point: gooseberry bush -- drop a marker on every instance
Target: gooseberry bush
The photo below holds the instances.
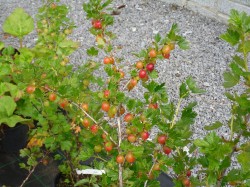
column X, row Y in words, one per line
column 75, row 115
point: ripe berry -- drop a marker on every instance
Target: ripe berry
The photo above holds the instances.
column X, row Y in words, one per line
column 104, row 136
column 162, row 139
column 52, row 97
column 130, row 158
column 167, row 55
column 97, row 24
column 120, row 159
column 167, row 150
column 186, row 182
column 106, row 93
column 157, row 167
column 94, row 128
column 153, row 106
column 166, row 49
column 108, row 146
column 86, row 122
column 144, row 135
column 128, row 117
column 108, row 60
column 188, row 173
column 142, row 74
column 152, row 53
column 105, row 106
column 150, row 67
column 64, row 103
column 121, row 110
column 30, row 89
column 139, row 65
column 85, row 107
column 131, row 138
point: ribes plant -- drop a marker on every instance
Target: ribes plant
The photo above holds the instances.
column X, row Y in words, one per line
column 218, row 151
column 75, row 115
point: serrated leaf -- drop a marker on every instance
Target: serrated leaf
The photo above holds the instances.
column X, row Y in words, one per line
column 66, row 145
column 92, row 51
column 154, row 74
column 13, row 120
column 238, row 60
column 244, row 160
column 1, row 45
column 81, row 182
column 19, row 23
column 184, row 92
column 201, row 143
column 231, row 37
column 157, row 38
column 230, row 79
column 215, row 125
column 229, row 96
column 159, row 87
column 193, row 87
column 183, row 44
column 7, row 106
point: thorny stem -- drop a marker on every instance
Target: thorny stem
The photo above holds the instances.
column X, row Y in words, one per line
column 150, row 171
column 94, row 121
column 231, row 127
column 90, row 117
column 32, row 171
column 119, row 144
column 21, row 42
column 176, row 113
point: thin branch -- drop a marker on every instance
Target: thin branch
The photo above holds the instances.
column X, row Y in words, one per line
column 150, row 171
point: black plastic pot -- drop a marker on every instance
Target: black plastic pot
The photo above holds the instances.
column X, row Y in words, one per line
column 14, row 139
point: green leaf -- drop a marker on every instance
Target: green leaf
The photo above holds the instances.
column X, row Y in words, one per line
column 193, row 87
column 66, row 145
column 238, row 60
column 154, row 74
column 201, row 143
column 1, row 45
column 231, row 37
column 215, row 125
column 19, row 23
column 183, row 44
column 26, row 56
column 184, row 92
column 157, row 38
column 13, row 120
column 244, row 160
column 81, row 182
column 230, row 79
column 7, row 106
column 92, row 51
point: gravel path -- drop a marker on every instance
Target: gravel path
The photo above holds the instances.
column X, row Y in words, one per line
column 135, row 27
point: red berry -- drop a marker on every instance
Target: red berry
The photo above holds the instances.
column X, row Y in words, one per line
column 97, row 24
column 108, row 146
column 166, row 49
column 167, row 150
column 85, row 107
column 52, row 97
column 30, row 89
column 131, row 138
column 86, row 122
column 64, row 103
column 150, row 67
column 166, row 55
column 153, row 106
column 130, row 158
column 105, row 106
column 142, row 73
column 152, row 53
column 162, row 139
column 144, row 135
column 120, row 159
column 128, row 117
column 188, row 173
column 94, row 128
column 106, row 93
column 186, row 182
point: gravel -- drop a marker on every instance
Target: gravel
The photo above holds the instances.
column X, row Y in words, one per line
column 135, row 27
